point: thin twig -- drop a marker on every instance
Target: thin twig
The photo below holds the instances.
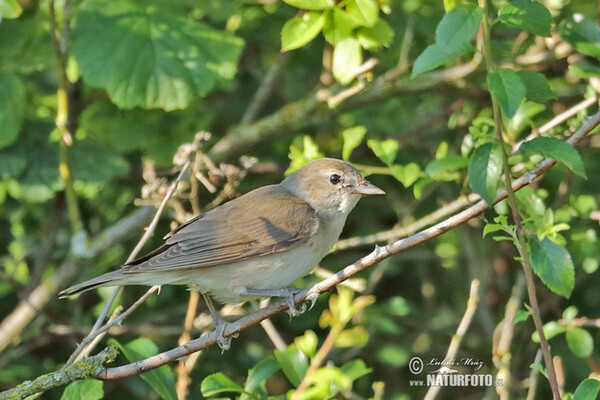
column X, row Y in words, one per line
column 149, row 232
column 460, row 332
column 379, row 254
column 503, row 338
column 185, row 367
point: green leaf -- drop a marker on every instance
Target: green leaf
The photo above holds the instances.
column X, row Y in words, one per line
column 582, row 33
column 160, row 379
column 337, row 27
column 553, row 264
column 555, row 149
column 12, row 162
column 93, row 163
column 385, row 150
column 310, row 151
column 258, row 375
column 529, row 15
column 219, row 383
column 293, row 362
column 587, row 390
column 354, row 337
column 88, row 389
column 580, row 342
column 485, row 169
column 520, row 316
column 393, row 355
column 491, row 228
column 355, row 369
column 507, row 88
column 307, row 343
column 380, row 35
column 458, row 26
column 353, row 137
column 311, row 4
column 539, row 367
column 444, row 168
column 363, row 12
column 536, row 86
column 12, row 106
column 298, row 31
column 151, row 57
column 435, row 55
column 551, row 329
column 10, row 9
column 406, row 174
column 347, row 57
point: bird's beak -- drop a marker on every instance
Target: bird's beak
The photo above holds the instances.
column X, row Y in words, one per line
column 365, row 187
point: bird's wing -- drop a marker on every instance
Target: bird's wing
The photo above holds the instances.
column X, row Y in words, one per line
column 276, row 221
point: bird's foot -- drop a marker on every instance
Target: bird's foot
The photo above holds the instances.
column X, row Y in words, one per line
column 287, row 294
column 220, row 325
column 313, row 299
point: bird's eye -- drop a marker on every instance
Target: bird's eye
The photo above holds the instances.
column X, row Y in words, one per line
column 335, row 179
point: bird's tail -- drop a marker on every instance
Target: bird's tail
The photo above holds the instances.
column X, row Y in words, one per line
column 109, row 279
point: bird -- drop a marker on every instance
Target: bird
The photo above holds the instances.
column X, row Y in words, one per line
column 255, row 245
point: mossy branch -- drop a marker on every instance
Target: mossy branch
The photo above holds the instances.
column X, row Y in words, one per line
column 87, row 368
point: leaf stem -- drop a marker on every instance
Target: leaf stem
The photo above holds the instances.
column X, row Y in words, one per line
column 510, row 194
column 62, row 117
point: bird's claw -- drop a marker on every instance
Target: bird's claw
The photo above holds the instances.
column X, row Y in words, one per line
column 223, row 342
column 289, row 301
column 313, row 299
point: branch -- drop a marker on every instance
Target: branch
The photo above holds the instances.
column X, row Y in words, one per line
column 379, row 254
column 84, row 369
column 13, row 324
column 460, row 332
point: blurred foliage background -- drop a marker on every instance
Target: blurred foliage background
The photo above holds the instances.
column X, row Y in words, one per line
column 98, row 97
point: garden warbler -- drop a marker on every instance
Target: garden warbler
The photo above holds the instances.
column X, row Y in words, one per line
column 255, row 245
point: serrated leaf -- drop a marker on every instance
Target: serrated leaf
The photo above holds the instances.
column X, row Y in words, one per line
column 380, row 35
column 10, row 9
column 553, row 264
column 160, row 379
column 337, row 26
column 582, row 33
column 347, row 57
column 88, row 389
column 539, row 367
column 385, row 150
column 435, row 55
column 311, row 4
column 491, row 228
column 219, row 383
column 580, row 342
column 507, row 88
column 298, row 31
column 12, row 107
column 485, row 169
column 587, row 390
column 555, row 149
column 536, row 86
column 151, row 57
column 363, row 12
column 293, row 362
column 353, row 137
column 458, row 26
column 406, row 174
column 529, row 15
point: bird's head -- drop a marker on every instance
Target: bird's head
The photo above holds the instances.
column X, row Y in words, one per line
column 329, row 185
